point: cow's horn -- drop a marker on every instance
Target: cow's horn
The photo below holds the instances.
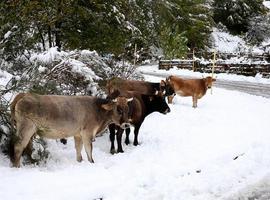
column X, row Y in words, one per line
column 129, row 99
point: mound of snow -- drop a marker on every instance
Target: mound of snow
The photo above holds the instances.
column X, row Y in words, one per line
column 227, row 43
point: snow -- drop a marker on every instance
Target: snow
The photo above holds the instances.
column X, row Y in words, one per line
column 7, row 34
column 81, row 68
column 48, row 56
column 267, row 4
column 5, row 77
column 227, row 43
column 184, row 72
column 219, row 150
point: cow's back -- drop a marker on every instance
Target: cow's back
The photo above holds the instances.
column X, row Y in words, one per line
column 54, row 115
column 141, row 87
column 188, row 87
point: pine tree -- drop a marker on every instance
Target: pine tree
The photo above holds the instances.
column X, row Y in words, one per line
column 189, row 21
column 235, row 15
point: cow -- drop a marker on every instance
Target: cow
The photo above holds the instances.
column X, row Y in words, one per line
column 59, row 116
column 190, row 87
column 142, row 87
column 141, row 106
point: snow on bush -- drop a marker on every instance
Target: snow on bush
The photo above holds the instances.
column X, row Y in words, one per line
column 52, row 72
column 226, row 43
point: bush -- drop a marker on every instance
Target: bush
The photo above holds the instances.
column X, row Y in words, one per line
column 52, row 72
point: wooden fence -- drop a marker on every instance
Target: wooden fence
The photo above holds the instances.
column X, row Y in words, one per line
column 241, row 64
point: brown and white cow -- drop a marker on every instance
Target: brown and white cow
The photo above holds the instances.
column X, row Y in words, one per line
column 196, row 88
column 55, row 116
column 142, row 87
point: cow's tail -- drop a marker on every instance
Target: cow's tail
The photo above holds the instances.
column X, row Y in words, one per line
column 13, row 124
column 12, row 108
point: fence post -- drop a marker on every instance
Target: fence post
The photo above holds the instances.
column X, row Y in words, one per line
column 213, row 68
column 193, row 63
column 135, row 54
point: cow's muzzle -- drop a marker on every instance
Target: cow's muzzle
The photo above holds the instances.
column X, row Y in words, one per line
column 167, row 111
column 125, row 125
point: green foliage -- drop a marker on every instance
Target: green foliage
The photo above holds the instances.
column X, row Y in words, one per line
column 173, row 43
column 189, row 21
column 106, row 26
column 235, row 15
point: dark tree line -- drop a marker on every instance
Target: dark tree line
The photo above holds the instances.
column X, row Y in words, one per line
column 114, row 26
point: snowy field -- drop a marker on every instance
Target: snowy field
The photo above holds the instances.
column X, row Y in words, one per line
column 220, row 150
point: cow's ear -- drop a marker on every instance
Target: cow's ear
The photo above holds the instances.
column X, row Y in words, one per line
column 214, row 79
column 163, row 83
column 114, row 94
column 107, row 106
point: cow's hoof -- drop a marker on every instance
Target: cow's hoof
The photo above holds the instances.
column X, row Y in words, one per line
column 79, row 159
column 120, row 151
column 135, row 143
column 112, row 151
column 127, row 142
column 63, row 141
column 16, row 165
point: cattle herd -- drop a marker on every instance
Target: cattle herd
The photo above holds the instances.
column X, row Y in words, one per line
column 128, row 102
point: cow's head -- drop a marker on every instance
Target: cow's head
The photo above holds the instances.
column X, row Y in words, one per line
column 165, row 88
column 155, row 103
column 209, row 81
column 119, row 108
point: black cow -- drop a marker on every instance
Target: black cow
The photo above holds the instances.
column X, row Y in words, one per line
column 141, row 106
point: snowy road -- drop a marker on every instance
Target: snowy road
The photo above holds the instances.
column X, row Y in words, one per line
column 241, row 86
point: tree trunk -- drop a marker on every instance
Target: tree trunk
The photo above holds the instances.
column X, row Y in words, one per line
column 50, row 36
column 42, row 38
column 58, row 25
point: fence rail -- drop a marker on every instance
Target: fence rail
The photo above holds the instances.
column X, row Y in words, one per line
column 241, row 64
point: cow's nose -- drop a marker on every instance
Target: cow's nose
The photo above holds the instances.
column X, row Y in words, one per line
column 167, row 110
column 125, row 125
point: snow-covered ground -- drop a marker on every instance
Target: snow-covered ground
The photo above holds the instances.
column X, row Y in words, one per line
column 218, row 151
column 184, row 72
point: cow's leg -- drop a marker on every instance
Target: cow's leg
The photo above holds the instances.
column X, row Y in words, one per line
column 112, row 137
column 25, row 130
column 127, row 136
column 194, row 100
column 78, row 147
column 87, row 143
column 170, row 99
column 119, row 140
column 136, row 132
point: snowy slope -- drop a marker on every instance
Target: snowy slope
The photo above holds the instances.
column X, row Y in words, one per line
column 186, row 154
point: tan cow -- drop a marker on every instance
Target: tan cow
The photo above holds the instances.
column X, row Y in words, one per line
column 190, row 87
column 55, row 116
